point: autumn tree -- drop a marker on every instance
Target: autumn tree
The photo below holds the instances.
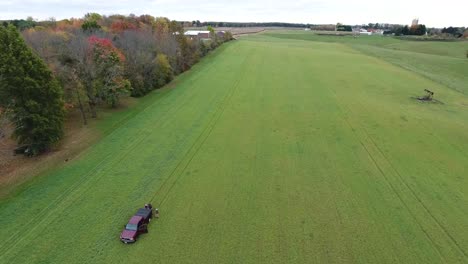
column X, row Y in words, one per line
column 80, row 62
column 162, row 25
column 143, row 68
column 211, row 30
column 162, row 71
column 188, row 52
column 122, row 25
column 109, row 84
column 417, row 30
column 51, row 46
column 29, row 89
column 146, row 19
column 228, row 36
column 167, row 43
column 139, row 48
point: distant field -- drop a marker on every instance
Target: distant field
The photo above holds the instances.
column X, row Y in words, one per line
column 271, row 150
column 443, row 62
column 241, row 31
column 456, row 49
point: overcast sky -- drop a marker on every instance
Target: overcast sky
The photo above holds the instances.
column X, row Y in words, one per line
column 432, row 13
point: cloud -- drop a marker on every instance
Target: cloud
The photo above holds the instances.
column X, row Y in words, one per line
column 432, row 13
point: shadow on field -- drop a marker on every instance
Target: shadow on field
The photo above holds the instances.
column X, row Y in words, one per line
column 432, row 101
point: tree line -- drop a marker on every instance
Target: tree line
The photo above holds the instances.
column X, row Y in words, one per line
column 341, row 27
column 414, row 30
column 52, row 67
column 197, row 23
column 397, row 29
column 457, row 32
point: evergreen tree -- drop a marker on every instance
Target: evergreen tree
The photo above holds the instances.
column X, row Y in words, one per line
column 32, row 93
column 405, row 30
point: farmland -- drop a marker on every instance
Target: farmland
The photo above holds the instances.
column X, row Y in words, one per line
column 443, row 62
column 276, row 148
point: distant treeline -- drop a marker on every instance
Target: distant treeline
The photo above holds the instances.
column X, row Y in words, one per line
column 415, row 30
column 419, row 30
column 455, row 31
column 20, row 24
column 197, row 23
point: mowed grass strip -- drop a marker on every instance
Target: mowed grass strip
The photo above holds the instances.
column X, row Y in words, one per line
column 269, row 151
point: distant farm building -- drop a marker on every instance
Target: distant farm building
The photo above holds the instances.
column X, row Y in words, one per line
column 375, row 31
column 369, row 31
column 200, row 34
column 221, row 34
column 365, row 32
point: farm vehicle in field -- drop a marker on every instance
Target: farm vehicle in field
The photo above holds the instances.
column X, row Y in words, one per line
column 428, row 97
column 138, row 224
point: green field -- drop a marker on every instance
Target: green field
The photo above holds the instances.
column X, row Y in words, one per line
column 274, row 149
column 439, row 61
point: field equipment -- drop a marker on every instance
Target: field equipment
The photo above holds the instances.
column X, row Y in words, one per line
column 428, row 97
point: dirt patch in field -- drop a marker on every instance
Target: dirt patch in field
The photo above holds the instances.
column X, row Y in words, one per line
column 16, row 169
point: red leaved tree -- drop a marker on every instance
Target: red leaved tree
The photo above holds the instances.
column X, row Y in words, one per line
column 109, row 83
column 122, row 25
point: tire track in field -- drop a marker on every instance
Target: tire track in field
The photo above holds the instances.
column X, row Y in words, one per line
column 417, row 197
column 201, row 138
column 413, row 192
column 396, row 192
column 448, row 143
column 385, row 177
column 65, row 196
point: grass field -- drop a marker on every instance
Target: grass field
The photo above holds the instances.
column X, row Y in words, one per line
column 271, row 150
column 443, row 62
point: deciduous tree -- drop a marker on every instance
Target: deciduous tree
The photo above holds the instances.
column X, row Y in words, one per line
column 162, row 70
column 110, row 83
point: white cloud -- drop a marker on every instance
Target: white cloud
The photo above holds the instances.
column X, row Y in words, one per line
column 432, row 13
